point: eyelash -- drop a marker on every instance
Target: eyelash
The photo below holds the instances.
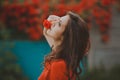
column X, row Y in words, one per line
column 59, row 24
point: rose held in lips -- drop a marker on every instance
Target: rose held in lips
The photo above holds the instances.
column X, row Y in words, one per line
column 47, row 24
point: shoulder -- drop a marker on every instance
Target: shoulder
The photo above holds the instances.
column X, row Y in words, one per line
column 58, row 70
column 58, row 64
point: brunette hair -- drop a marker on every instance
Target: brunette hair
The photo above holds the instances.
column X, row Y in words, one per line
column 74, row 45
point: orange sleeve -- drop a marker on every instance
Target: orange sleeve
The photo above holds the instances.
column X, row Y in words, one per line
column 45, row 72
column 43, row 75
column 58, row 71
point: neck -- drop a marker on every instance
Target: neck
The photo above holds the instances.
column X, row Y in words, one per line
column 56, row 43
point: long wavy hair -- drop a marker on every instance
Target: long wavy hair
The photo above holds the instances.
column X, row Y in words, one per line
column 74, row 45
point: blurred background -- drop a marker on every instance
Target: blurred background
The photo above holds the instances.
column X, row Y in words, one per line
column 23, row 46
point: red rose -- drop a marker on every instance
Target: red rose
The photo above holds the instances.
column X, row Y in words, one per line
column 47, row 24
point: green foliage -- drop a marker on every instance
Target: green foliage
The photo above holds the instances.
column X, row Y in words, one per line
column 4, row 33
column 103, row 74
column 9, row 68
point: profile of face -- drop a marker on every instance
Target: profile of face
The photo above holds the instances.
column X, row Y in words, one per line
column 58, row 26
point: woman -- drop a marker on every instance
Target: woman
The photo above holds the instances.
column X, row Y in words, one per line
column 68, row 38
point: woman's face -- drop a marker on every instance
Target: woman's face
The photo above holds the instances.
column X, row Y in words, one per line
column 58, row 26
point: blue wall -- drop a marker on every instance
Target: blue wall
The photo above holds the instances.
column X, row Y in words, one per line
column 31, row 55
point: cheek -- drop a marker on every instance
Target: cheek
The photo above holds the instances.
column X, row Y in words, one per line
column 57, row 33
column 53, row 33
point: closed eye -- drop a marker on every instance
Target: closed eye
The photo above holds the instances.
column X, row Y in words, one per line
column 60, row 23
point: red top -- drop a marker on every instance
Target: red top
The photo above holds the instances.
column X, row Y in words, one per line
column 55, row 71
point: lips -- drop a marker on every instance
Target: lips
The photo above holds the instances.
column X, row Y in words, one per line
column 47, row 24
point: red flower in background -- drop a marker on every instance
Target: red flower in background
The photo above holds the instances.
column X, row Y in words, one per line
column 45, row 7
column 35, row 36
column 30, row 30
column 36, row 1
column 33, row 11
column 21, row 27
column 90, row 4
column 106, row 2
column 47, row 24
column 61, row 9
column 34, row 33
column 23, row 20
column 33, row 14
